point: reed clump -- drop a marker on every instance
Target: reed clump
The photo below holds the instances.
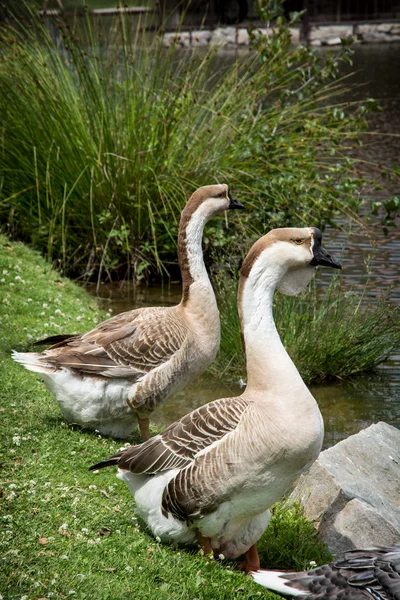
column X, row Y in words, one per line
column 105, row 133
column 330, row 333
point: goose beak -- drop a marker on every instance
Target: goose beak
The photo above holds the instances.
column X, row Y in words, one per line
column 320, row 256
column 323, row 258
column 234, row 203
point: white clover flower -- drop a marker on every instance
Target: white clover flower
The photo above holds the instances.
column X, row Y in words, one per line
column 45, row 305
column 3, row 280
column 5, row 272
column 12, row 486
column 64, row 557
column 29, row 300
column 11, row 496
column 12, row 284
column 11, row 451
column 79, row 318
column 128, row 568
column 18, row 278
column 312, row 564
column 16, row 440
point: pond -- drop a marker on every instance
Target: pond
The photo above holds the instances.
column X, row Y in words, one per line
column 347, row 406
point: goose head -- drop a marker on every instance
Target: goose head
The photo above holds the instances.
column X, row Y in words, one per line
column 207, row 201
column 286, row 259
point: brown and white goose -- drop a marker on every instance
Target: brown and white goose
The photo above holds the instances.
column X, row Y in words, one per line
column 213, row 475
column 372, row 574
column 132, row 362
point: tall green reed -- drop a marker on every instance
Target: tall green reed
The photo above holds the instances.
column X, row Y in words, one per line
column 106, row 133
column 330, row 333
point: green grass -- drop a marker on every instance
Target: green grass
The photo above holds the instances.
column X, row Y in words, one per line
column 105, row 135
column 330, row 334
column 68, row 533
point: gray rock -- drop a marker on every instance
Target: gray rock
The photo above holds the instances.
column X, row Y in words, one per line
column 243, row 38
column 352, row 491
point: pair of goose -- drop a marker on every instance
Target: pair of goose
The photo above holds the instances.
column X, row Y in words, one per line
column 212, row 476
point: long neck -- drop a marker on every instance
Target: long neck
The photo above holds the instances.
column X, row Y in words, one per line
column 269, row 367
column 190, row 254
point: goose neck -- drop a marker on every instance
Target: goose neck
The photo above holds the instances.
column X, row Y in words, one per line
column 190, row 254
column 269, row 367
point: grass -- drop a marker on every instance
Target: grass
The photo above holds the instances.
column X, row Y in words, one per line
column 68, row 533
column 105, row 134
column 329, row 335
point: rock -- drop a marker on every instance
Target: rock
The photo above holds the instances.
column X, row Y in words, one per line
column 352, row 491
column 326, row 32
column 224, row 35
column 201, row 38
column 295, row 35
column 243, row 38
column 336, row 41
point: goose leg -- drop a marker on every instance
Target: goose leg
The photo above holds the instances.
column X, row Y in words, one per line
column 144, row 426
column 204, row 543
column 251, row 561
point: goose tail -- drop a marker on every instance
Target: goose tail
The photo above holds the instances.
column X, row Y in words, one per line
column 277, row 581
column 33, row 361
column 113, row 461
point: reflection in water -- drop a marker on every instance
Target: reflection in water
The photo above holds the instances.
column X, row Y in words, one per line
column 349, row 406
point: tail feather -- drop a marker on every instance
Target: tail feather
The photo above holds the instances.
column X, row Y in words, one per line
column 113, row 461
column 55, row 341
column 277, row 582
column 33, row 361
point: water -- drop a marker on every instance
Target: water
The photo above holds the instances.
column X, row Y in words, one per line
column 347, row 406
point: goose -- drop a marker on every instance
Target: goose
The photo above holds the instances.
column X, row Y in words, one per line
column 373, row 573
column 131, row 363
column 212, row 476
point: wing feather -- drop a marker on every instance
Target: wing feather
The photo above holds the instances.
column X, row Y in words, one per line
column 178, row 446
column 128, row 345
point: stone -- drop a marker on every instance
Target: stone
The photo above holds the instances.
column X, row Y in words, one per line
column 295, row 35
column 201, row 38
column 326, row 32
column 352, row 491
column 224, row 35
column 333, row 41
column 384, row 27
column 243, row 38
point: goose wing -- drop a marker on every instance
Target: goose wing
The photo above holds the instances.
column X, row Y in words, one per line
column 128, row 345
column 179, row 445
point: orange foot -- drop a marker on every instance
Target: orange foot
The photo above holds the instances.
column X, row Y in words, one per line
column 251, row 561
column 204, row 543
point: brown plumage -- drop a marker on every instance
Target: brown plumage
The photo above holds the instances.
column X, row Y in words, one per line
column 132, row 362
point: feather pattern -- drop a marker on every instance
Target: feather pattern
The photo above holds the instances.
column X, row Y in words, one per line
column 373, row 573
column 179, row 445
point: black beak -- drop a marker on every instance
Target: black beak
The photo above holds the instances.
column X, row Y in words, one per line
column 233, row 203
column 320, row 256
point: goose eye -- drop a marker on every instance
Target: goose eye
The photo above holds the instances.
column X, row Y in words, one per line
column 298, row 241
